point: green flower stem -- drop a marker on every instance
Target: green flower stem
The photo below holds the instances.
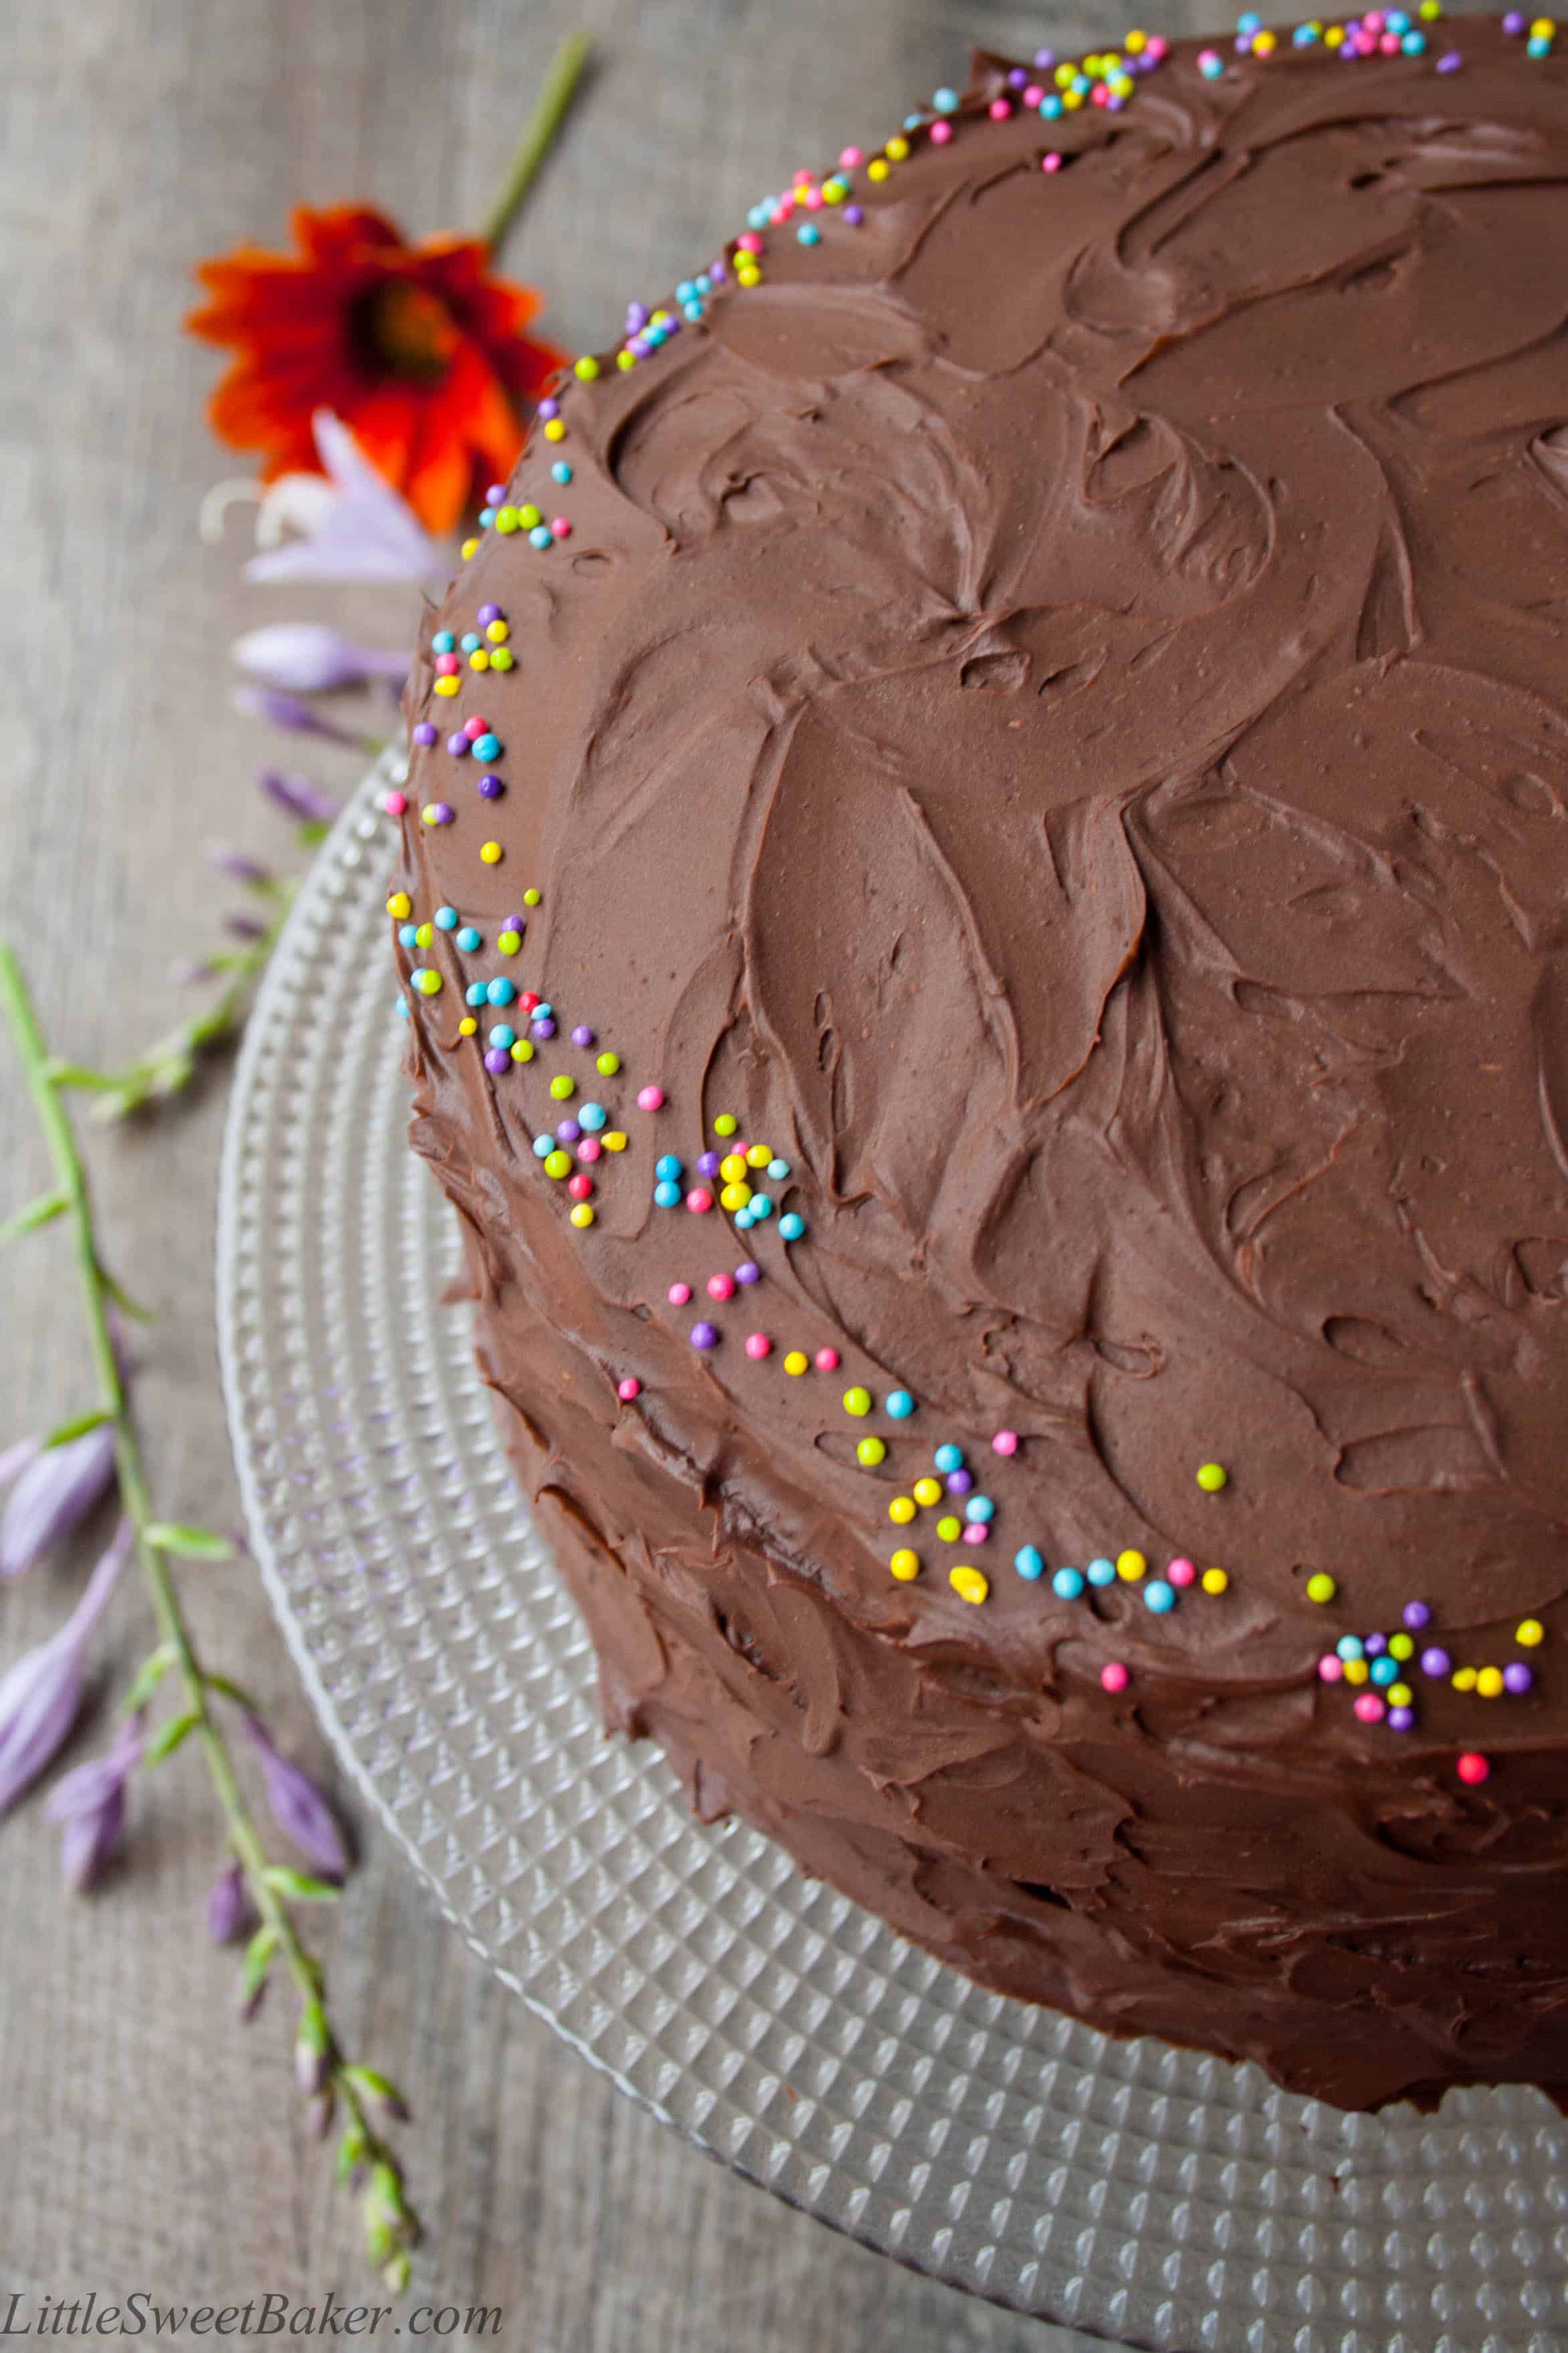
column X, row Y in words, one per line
column 566, row 70
column 244, row 1839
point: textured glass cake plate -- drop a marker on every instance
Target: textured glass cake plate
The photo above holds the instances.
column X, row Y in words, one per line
column 1140, row 2194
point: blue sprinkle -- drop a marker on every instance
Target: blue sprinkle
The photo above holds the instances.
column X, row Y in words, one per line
column 487, row 516
column 703, row 283
column 979, row 1507
column 899, row 1404
column 1101, row 1571
column 666, row 1194
column 470, row 641
column 694, row 312
column 501, row 1036
column 778, row 1170
column 469, row 939
column 592, row 1116
column 543, row 1145
column 1250, row 23
column 946, row 102
column 685, row 290
column 403, row 1006
column 742, row 1221
column 759, row 1209
column 487, row 747
column 1159, row 1597
column 560, row 471
column 541, row 536
column 1413, row 44
column 808, row 234
column 668, row 1167
column 948, row 1458
column 1538, row 46
column 443, row 642
column 501, row 991
column 1210, row 66
column 409, row 935
column 1385, row 1671
column 1030, row 1563
column 758, row 215
column 544, row 1013
column 1050, row 106
column 476, row 993
column 791, row 1227
column 1068, row 1584
column 445, row 919
column 1351, row 1646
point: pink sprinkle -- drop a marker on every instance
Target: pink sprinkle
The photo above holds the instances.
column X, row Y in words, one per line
column 749, row 241
column 812, row 200
column 395, row 803
column 447, row 665
column 474, row 728
column 1034, row 94
column 1115, row 1677
column 1098, row 94
column 999, row 109
column 1052, row 163
column 650, row 1099
column 828, row 1360
column 1155, row 46
column 560, row 528
column 802, row 178
column 976, row 1531
column 849, row 157
column 1372, row 20
column 721, row 1286
column 680, row 1294
column 1472, row 1768
column 1005, row 1442
column 1389, row 44
column 698, row 1201
column 759, row 1345
column 940, row 132
column 1370, row 1708
column 1330, row 1669
column 589, row 1149
column 627, row 1389
column 1180, row 1572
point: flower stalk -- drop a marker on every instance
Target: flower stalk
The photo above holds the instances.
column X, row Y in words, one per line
column 566, row 70
column 390, row 2226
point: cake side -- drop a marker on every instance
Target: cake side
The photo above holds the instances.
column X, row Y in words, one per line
column 1046, row 716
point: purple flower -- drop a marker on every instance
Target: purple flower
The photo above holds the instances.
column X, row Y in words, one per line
column 239, row 866
column 276, row 709
column 298, row 1807
column 54, row 1494
column 90, row 1801
column 228, row 1905
column 297, row 797
column 245, row 927
column 40, row 1696
column 355, row 525
column 307, row 657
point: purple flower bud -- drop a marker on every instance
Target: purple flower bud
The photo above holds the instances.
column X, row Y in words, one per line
column 40, row 1696
column 185, row 971
column 298, row 1809
column 297, row 797
column 244, row 928
column 276, row 709
column 228, row 1905
column 54, row 1494
column 311, row 2068
column 249, row 2003
column 238, row 865
column 319, row 2115
column 90, row 1801
column 307, row 657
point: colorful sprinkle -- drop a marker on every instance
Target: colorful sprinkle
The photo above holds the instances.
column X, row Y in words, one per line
column 1472, row 1768
column 968, row 1582
column 1211, row 1477
column 1320, row 1588
column 905, row 1564
column 858, row 1401
column 1113, row 1676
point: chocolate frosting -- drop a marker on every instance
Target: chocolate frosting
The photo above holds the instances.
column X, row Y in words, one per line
column 1053, row 712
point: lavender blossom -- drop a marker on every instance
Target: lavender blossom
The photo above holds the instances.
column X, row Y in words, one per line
column 275, row 709
column 307, row 657
column 298, row 1809
column 245, row 927
column 239, row 866
column 41, row 1694
column 355, row 525
column 297, row 797
column 228, row 1905
column 90, row 1801
column 55, row 1492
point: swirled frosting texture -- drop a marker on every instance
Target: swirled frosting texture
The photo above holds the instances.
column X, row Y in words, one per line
column 1054, row 711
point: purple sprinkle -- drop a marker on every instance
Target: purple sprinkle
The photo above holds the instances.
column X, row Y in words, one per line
column 582, row 1035
column 1375, row 1645
column 749, row 1271
column 708, row 1164
column 487, row 614
column 567, row 1131
column 717, row 269
column 1017, row 77
column 959, row 1483
column 545, row 1029
column 853, row 214
column 512, row 924
column 1416, row 1614
column 1436, row 1662
column 424, row 732
column 498, row 1059
column 1517, row 1677
column 494, row 497
column 549, row 409
column 1450, row 61
column 490, row 788
column 1115, row 102
column 440, row 812
column 458, row 745
column 1043, row 58
column 636, row 316
column 1401, row 1719
column 703, row 1335
column 640, row 346
column 1513, row 22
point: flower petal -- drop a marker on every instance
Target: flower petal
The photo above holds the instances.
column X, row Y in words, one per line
column 53, row 1495
column 308, row 658
column 298, row 1809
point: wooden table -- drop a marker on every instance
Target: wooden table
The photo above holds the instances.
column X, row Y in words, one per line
column 147, row 2140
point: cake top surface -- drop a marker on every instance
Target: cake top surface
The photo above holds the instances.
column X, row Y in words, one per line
column 1034, row 693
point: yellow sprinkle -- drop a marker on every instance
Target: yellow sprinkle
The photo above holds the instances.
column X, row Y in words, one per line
column 902, row 1507
column 501, row 659
column 878, row 168
column 1399, row 1694
column 478, row 658
column 522, row 1051
column 726, row 1123
column 1334, row 36
column 583, row 1214
column 1063, row 75
column 1134, row 43
column 968, row 1582
column 563, row 1086
column 1211, row 1477
column 1529, row 1631
column 1489, row 1683
column 795, row 1363
column 759, row 1156
column 896, row 149
column 733, row 1169
column 858, row 1401
column 1215, row 1580
column 508, row 943
column 905, row 1564
column 626, row 362
column 734, row 1197
column 586, row 368
column 1400, row 1646
column 499, row 632
column 447, row 685
column 1544, row 29
column 1356, row 1670
column 469, row 547
column 558, row 1164
column 531, row 898
column 928, row 1491
column 949, row 1529
column 1263, row 45
column 1071, row 100
column 871, row 1452
column 613, row 1140
column 1130, row 1566
column 490, row 852
column 428, row 984
column 530, row 518
column 467, row 1027
column 607, row 1064
column 555, row 430
column 424, row 935
column 429, row 814
column 399, row 905
column 1320, row 1588
column 833, row 192
column 1464, row 1679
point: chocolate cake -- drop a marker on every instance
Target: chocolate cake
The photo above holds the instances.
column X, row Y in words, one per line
column 985, row 925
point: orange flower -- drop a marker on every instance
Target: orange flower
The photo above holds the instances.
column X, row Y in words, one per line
column 416, row 347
